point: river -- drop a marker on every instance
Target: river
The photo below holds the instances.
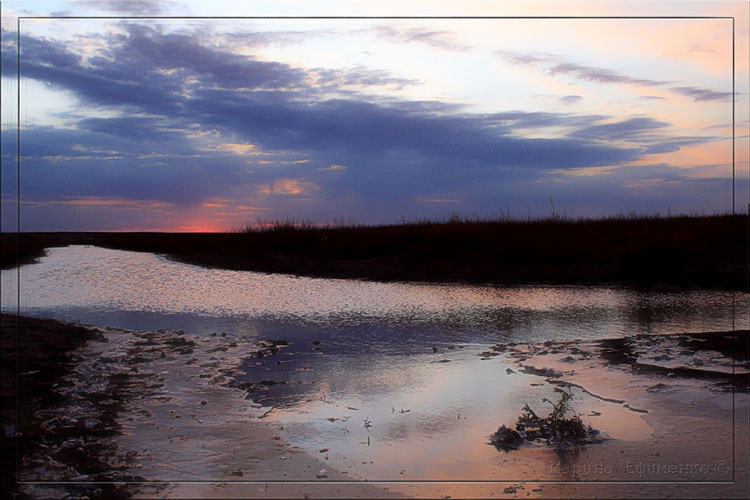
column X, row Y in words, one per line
column 382, row 376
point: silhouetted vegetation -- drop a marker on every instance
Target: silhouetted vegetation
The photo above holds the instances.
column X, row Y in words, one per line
column 562, row 428
column 20, row 250
column 684, row 251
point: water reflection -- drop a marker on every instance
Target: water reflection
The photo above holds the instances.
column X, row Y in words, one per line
column 403, row 356
column 130, row 289
column 428, row 419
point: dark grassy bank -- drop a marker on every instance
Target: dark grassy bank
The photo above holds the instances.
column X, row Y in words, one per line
column 19, row 249
column 705, row 251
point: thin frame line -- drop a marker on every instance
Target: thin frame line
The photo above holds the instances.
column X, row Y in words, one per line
column 384, row 481
column 18, row 249
column 734, row 293
column 18, row 222
column 379, row 17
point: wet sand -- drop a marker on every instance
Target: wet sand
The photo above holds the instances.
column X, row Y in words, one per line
column 154, row 414
column 36, row 358
column 160, row 414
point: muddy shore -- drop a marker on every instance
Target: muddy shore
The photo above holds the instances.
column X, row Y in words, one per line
column 159, row 414
column 37, row 356
column 151, row 414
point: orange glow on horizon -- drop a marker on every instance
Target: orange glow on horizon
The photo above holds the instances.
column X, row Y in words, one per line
column 199, row 228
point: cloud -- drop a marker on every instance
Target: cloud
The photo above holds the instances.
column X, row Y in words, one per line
column 139, row 128
column 149, row 49
column 238, row 149
column 630, row 129
column 437, row 200
column 359, row 127
column 601, row 75
column 605, row 75
column 541, row 119
column 698, row 94
column 640, row 131
column 288, row 186
column 179, row 118
column 560, row 66
column 649, row 187
column 133, row 7
column 571, row 99
column 98, row 201
column 652, row 182
column 359, row 76
column 523, row 58
column 434, row 38
column 264, row 38
column 147, row 68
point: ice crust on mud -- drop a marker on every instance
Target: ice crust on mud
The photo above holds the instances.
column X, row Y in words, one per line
column 131, row 396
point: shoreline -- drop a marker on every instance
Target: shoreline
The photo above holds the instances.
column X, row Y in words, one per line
column 162, row 405
column 706, row 252
column 155, row 408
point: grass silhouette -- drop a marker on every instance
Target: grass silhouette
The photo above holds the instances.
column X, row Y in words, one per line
column 653, row 250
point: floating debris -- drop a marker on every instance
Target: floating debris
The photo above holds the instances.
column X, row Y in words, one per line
column 557, row 429
column 637, row 410
column 506, row 439
column 544, row 372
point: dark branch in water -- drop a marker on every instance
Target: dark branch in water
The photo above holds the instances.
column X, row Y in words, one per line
column 557, row 429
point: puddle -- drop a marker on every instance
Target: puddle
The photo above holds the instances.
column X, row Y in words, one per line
column 422, row 419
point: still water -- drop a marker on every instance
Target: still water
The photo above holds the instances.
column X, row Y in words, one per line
column 141, row 290
column 382, row 375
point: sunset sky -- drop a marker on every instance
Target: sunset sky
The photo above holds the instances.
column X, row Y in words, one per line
column 210, row 124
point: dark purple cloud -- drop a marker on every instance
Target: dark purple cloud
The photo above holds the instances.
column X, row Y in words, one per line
column 267, row 103
column 640, row 131
column 132, row 7
column 571, row 99
column 519, row 58
column 606, row 75
column 359, row 75
column 698, row 94
column 629, row 129
column 435, row 38
column 601, row 75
